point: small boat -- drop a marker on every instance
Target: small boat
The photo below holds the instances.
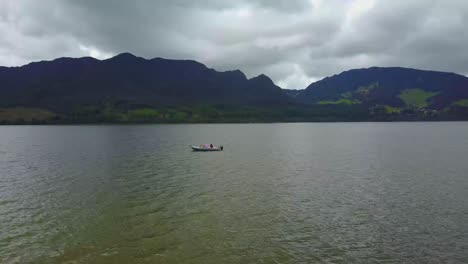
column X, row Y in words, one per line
column 206, row 148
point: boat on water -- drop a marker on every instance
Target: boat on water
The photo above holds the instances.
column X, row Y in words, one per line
column 206, row 147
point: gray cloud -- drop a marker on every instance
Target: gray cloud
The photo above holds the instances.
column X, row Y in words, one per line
column 293, row 41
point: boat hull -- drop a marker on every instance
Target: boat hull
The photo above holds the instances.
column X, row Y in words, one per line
column 196, row 148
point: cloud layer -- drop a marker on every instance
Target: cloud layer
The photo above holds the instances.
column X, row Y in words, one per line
column 293, row 41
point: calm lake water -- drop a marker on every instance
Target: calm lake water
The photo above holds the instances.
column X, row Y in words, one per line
column 279, row 193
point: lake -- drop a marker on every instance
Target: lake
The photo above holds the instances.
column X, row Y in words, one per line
column 278, row 193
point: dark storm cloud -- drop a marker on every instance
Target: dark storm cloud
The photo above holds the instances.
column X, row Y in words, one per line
column 293, row 41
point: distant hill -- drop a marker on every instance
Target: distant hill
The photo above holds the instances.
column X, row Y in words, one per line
column 65, row 84
column 396, row 88
column 127, row 88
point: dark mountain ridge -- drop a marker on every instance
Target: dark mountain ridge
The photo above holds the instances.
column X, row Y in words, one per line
column 67, row 83
column 387, row 86
column 127, row 88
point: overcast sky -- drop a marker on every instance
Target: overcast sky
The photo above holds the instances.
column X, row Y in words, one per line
column 294, row 42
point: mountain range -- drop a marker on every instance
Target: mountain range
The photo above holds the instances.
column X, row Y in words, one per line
column 127, row 88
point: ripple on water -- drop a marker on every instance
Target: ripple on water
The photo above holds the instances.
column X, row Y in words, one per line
column 279, row 193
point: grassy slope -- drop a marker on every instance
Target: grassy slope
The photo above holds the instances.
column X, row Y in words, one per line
column 25, row 114
column 463, row 102
column 392, row 110
column 416, row 97
column 346, row 99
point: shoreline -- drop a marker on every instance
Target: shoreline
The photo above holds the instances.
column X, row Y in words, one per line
column 221, row 123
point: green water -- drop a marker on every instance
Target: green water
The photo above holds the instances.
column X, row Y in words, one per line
column 278, row 193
